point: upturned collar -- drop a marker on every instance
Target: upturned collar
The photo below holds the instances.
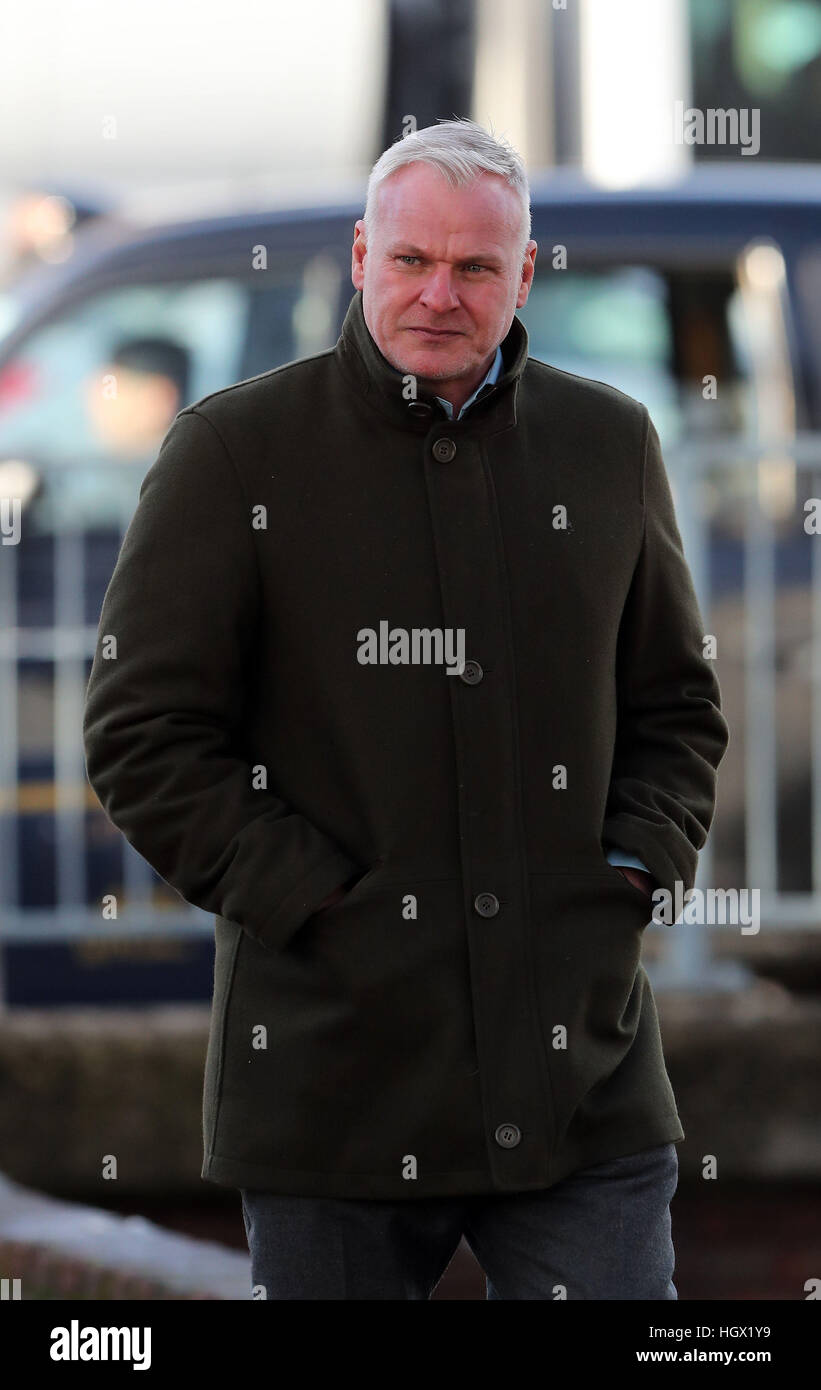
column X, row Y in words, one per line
column 381, row 384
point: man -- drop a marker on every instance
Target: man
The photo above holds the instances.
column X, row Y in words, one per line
column 400, row 646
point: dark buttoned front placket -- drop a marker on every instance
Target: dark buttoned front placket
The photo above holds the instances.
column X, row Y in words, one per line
column 511, row 1048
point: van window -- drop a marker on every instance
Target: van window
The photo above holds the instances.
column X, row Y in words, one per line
column 88, row 399
column 612, row 325
column 653, row 334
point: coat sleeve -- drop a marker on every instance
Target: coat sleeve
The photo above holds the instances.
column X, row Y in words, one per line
column 162, row 723
column 671, row 734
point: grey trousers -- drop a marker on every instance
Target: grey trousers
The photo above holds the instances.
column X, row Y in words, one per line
column 601, row 1233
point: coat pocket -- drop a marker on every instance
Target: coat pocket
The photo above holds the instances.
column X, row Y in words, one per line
column 639, row 893
column 354, row 892
column 369, row 1033
column 590, row 984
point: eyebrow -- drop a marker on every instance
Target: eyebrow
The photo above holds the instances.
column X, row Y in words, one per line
column 480, row 258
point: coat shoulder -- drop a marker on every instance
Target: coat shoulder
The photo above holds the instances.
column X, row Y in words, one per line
column 258, row 394
column 587, row 397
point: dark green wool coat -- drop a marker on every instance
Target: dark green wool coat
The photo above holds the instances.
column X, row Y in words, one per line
column 472, row 1017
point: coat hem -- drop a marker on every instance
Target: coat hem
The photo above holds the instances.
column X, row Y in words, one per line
column 621, row 1142
column 238, row 1173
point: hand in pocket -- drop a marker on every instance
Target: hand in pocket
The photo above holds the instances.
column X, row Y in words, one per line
column 639, row 878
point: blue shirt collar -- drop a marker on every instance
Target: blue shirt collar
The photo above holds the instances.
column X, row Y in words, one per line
column 488, row 380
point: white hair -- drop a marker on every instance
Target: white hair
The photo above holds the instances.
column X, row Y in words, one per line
column 461, row 150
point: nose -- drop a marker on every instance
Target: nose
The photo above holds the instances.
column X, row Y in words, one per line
column 438, row 292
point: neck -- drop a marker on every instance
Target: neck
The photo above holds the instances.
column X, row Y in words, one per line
column 457, row 392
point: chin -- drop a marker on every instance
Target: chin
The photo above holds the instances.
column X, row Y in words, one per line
column 435, row 371
column 436, row 365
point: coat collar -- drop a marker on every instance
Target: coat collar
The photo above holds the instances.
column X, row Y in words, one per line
column 381, row 384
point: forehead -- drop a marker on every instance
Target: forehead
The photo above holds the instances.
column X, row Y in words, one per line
column 418, row 204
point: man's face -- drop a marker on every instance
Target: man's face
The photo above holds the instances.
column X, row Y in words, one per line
column 442, row 275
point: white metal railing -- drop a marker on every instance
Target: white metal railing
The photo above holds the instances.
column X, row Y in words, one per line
column 760, row 489
column 64, row 646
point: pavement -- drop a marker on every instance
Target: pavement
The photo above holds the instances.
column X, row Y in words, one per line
column 65, row 1249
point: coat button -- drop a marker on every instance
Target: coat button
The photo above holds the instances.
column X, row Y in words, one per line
column 508, row 1136
column 420, row 409
column 444, row 450
column 472, row 673
column 486, row 904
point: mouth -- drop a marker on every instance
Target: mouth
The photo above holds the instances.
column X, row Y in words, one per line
column 437, row 332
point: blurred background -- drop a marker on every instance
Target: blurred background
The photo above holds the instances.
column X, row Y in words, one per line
column 177, row 196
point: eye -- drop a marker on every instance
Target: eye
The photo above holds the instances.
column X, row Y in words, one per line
column 407, row 258
column 474, row 265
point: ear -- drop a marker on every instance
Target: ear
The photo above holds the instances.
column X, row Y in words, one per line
column 359, row 251
column 528, row 269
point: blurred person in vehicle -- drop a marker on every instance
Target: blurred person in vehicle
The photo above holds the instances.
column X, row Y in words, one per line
column 409, row 692
column 133, row 397
column 130, row 399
